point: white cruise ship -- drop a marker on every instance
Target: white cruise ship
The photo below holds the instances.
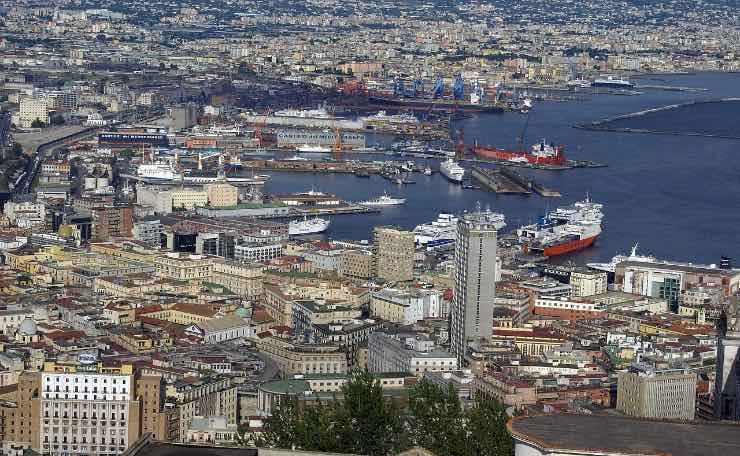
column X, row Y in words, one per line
column 451, row 170
column 308, row 226
column 384, row 200
column 445, row 228
column 159, row 171
column 314, row 149
column 612, row 265
column 304, row 113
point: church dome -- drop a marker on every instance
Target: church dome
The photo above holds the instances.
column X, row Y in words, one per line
column 28, row 327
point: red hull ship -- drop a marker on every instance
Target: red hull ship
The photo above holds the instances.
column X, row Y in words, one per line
column 572, row 246
column 541, row 154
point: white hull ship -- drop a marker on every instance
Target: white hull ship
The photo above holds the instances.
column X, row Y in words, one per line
column 452, row 171
column 306, row 148
column 308, row 226
column 444, row 229
column 384, row 200
column 611, row 267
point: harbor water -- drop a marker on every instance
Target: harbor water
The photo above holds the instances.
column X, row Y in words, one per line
column 678, row 196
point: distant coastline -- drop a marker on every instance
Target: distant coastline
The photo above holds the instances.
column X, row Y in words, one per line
column 605, row 124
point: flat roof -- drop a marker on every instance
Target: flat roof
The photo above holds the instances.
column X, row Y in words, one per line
column 623, row 435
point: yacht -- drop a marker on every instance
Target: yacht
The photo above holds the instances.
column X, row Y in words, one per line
column 452, row 171
column 308, row 226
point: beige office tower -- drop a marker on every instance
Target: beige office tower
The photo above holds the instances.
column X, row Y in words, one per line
column 393, row 254
column 475, row 282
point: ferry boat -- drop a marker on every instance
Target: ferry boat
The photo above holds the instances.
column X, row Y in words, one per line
column 445, row 228
column 313, row 149
column 304, row 113
column 612, row 82
column 158, row 171
column 541, row 154
column 564, row 230
column 308, row 226
column 452, row 171
column 384, row 200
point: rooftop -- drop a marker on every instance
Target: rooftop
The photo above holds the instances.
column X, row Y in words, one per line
column 622, row 435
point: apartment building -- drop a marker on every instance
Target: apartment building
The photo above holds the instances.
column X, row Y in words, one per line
column 188, row 199
column 243, row 279
column 222, row 195
column 357, row 264
column 646, row 392
column 393, row 254
column 586, row 282
column 304, row 358
column 204, row 397
column 571, row 309
column 407, row 353
column 112, row 221
column 406, row 306
column 184, row 267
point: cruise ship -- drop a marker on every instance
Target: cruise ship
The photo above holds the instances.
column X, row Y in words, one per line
column 307, row 148
column 158, row 171
column 384, row 200
column 308, row 226
column 452, row 171
column 444, row 229
column 611, row 267
column 564, row 230
column 612, row 82
column 304, row 113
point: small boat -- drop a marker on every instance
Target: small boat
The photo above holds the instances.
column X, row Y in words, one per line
column 384, row 200
column 427, row 171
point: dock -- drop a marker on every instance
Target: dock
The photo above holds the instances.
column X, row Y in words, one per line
column 508, row 181
column 496, row 182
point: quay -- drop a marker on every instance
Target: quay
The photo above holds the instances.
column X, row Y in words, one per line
column 311, row 166
column 507, row 181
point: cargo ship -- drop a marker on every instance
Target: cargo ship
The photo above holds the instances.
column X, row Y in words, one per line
column 540, row 154
column 612, row 82
column 564, row 230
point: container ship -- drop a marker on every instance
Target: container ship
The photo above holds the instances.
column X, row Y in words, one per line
column 564, row 230
column 540, row 154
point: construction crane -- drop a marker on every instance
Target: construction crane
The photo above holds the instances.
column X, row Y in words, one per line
column 259, row 125
column 439, row 88
column 458, row 88
column 337, row 148
column 520, row 141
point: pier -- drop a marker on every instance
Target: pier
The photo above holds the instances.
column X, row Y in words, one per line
column 505, row 180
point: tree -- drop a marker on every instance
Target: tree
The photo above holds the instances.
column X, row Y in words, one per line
column 487, row 430
column 37, row 123
column 17, row 149
column 436, row 419
column 281, row 428
column 57, row 119
column 365, row 423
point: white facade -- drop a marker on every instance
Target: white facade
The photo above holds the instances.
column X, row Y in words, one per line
column 257, row 252
column 587, row 283
column 389, row 354
column 31, row 109
column 149, row 231
column 25, row 214
column 85, row 413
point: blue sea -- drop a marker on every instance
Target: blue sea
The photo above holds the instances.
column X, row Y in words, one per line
column 678, row 196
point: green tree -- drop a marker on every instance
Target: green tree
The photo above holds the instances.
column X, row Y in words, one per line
column 57, row 119
column 436, row 419
column 365, row 423
column 281, row 428
column 37, row 123
column 487, row 432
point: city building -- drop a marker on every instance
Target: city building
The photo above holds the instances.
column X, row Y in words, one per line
column 406, row 306
column 184, row 267
column 255, row 252
column 393, row 254
column 414, row 354
column 222, row 195
column 645, row 392
column 296, row 358
column 475, row 286
column 585, row 282
column 112, row 221
column 357, row 263
column 30, row 110
column 188, row 199
column 727, row 379
column 569, row 309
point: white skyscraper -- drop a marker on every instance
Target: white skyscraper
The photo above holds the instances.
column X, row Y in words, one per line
column 475, row 283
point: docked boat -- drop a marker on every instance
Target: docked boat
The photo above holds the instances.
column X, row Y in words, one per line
column 384, row 200
column 306, row 148
column 308, row 226
column 564, row 230
column 611, row 267
column 540, row 154
column 427, row 171
column 159, row 171
column 612, row 82
column 452, row 171
column 444, row 228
